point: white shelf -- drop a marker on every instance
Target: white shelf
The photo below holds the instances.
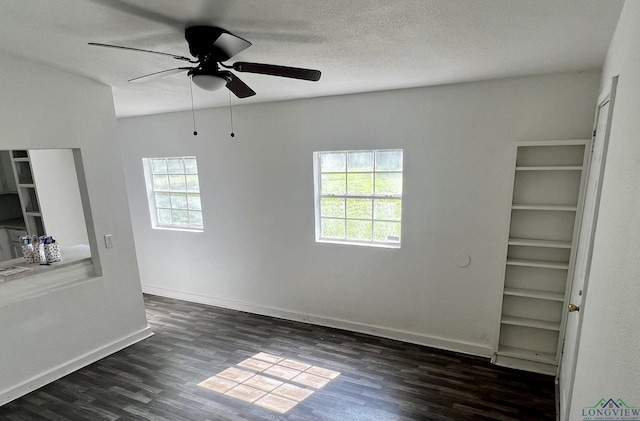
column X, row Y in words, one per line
column 538, row 263
column 536, row 324
column 526, row 354
column 529, row 242
column 564, row 208
column 545, row 205
column 22, row 171
column 550, row 168
column 532, row 293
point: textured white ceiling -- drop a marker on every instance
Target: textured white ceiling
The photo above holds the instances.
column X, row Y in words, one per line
column 359, row 45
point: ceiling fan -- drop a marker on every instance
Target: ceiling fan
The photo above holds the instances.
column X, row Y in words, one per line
column 211, row 46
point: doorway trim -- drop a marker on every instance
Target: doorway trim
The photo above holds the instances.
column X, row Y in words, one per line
column 607, row 96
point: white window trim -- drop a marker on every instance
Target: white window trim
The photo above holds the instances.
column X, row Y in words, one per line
column 318, row 197
column 153, row 213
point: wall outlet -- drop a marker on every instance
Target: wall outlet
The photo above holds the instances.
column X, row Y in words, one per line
column 108, row 241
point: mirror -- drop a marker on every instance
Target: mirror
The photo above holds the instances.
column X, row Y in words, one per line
column 40, row 195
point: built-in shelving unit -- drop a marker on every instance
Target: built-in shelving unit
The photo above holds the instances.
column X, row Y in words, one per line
column 545, row 214
column 27, row 192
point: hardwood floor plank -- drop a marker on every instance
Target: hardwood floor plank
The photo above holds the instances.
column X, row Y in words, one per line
column 380, row 379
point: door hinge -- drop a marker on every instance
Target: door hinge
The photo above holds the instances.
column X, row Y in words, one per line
column 594, row 132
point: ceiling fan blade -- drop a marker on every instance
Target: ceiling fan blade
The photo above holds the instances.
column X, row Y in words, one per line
column 144, row 51
column 231, row 45
column 237, row 86
column 282, row 71
column 157, row 75
column 213, row 43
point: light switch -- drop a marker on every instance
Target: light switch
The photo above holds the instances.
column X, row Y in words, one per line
column 108, row 241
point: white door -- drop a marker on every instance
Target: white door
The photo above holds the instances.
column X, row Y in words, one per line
column 567, row 367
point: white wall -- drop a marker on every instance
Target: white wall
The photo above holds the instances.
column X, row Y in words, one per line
column 609, row 357
column 48, row 334
column 258, row 251
column 55, row 176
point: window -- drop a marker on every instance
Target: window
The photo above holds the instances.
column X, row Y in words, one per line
column 174, row 193
column 359, row 197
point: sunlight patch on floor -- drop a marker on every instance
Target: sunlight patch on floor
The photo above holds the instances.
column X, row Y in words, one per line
column 268, row 381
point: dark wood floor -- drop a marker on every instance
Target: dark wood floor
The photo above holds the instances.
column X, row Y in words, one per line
column 381, row 379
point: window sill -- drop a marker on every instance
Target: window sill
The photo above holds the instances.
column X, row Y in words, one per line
column 178, row 229
column 356, row 243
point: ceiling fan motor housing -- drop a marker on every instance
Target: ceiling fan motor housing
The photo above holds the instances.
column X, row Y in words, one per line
column 209, row 71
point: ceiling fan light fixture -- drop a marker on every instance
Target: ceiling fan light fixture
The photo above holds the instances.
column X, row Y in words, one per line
column 209, row 82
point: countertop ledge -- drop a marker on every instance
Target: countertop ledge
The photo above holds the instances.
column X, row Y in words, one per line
column 14, row 224
column 70, row 256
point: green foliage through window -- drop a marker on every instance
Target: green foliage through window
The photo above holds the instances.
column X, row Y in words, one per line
column 360, row 196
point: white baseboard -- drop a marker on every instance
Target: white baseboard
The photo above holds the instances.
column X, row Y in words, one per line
column 62, row 370
column 385, row 332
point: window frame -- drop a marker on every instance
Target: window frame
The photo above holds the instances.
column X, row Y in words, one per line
column 151, row 195
column 318, row 196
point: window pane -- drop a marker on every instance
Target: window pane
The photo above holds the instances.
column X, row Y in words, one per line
column 159, row 166
column 332, row 207
column 193, row 201
column 332, row 161
column 192, row 183
column 389, row 160
column 164, row 217
column 174, row 192
column 163, row 200
column 161, row 182
column 180, row 217
column 196, row 219
column 332, row 228
column 390, row 209
column 386, row 231
column 359, row 230
column 333, row 184
column 360, row 183
column 359, row 208
column 175, row 165
column 178, row 201
column 177, row 182
column 360, row 196
column 360, row 161
column 190, row 166
column 388, row 183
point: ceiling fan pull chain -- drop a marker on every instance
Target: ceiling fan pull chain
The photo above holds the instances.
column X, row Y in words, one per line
column 231, row 114
column 193, row 110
